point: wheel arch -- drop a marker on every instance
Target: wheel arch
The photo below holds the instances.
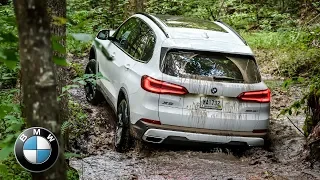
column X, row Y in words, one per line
column 92, row 53
column 122, row 95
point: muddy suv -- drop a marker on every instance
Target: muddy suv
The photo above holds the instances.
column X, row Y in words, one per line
column 179, row 79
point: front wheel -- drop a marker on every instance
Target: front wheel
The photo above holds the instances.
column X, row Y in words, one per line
column 93, row 95
column 122, row 136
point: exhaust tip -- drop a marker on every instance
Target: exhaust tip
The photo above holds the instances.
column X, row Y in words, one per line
column 153, row 139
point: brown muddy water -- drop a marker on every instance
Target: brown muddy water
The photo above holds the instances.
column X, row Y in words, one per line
column 283, row 158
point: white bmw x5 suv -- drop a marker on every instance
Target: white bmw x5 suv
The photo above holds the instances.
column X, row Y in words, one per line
column 175, row 79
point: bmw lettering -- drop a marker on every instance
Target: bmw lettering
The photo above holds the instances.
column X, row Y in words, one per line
column 36, row 149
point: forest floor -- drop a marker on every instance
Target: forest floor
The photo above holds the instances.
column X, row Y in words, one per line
column 284, row 158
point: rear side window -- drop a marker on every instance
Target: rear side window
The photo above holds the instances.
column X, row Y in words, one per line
column 137, row 39
column 211, row 66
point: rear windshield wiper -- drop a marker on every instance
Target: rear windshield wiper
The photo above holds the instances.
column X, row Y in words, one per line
column 226, row 78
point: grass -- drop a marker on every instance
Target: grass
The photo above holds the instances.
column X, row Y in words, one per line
column 272, row 40
column 292, row 51
column 273, row 84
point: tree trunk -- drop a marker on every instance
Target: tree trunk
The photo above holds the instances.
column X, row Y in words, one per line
column 135, row 6
column 38, row 77
column 139, row 5
column 57, row 9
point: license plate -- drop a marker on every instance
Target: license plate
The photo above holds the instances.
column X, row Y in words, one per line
column 211, row 103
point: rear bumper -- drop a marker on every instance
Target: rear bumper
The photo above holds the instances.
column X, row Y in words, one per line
column 168, row 134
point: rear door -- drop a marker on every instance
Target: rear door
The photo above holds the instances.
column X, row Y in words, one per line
column 214, row 81
column 115, row 64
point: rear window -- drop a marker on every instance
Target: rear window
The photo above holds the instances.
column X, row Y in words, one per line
column 211, row 66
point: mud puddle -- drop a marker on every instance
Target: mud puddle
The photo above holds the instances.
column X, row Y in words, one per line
column 283, row 159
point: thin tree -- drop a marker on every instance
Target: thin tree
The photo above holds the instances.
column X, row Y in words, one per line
column 135, row 6
column 57, row 14
column 38, row 76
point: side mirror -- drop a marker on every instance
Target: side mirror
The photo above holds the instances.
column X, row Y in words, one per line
column 103, row 34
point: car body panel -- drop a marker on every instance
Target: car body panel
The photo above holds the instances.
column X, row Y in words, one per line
column 235, row 115
column 123, row 71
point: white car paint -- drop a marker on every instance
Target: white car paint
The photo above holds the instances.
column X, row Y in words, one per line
column 125, row 72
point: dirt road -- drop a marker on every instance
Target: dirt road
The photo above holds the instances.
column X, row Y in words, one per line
column 283, row 159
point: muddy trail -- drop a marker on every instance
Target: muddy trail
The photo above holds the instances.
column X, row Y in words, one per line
column 282, row 158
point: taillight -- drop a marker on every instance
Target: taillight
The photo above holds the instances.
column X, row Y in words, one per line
column 263, row 96
column 160, row 87
column 151, row 121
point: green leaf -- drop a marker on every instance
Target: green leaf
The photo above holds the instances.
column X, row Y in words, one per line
column 82, row 82
column 60, row 61
column 5, row 152
column 58, row 47
column 283, row 112
column 287, row 83
column 10, row 64
column 68, row 155
column 66, row 88
column 82, row 37
column 14, row 127
column 8, row 140
column 301, row 80
column 3, row 169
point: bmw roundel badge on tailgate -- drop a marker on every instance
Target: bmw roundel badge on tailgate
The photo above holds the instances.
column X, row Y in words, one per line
column 36, row 149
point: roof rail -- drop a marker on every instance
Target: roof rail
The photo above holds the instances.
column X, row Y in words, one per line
column 156, row 22
column 235, row 32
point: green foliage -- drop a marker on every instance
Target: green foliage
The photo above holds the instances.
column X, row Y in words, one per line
column 10, row 123
column 88, row 17
column 77, row 119
column 248, row 15
column 71, row 155
column 272, row 84
column 8, row 48
column 77, row 67
column 10, row 169
column 280, row 39
column 309, row 104
column 8, row 77
column 72, row 174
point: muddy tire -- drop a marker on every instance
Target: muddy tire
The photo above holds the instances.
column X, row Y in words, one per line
column 93, row 95
column 122, row 138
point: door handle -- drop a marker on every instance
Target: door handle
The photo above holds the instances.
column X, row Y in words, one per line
column 112, row 55
column 127, row 66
